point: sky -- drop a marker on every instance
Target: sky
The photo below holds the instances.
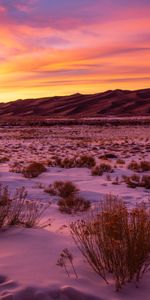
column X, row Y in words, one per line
column 61, row 47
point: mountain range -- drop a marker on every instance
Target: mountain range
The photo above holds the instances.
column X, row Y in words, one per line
column 121, row 103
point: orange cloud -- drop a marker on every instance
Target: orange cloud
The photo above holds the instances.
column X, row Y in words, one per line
column 42, row 59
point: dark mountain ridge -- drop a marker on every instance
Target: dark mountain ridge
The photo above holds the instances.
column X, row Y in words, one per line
column 120, row 103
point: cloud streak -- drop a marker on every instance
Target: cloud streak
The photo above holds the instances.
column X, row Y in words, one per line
column 60, row 47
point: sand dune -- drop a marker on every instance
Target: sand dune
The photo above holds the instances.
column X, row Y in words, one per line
column 109, row 103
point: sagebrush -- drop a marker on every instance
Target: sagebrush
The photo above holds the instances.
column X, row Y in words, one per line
column 116, row 241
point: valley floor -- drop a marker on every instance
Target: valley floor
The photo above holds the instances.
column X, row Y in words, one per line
column 28, row 257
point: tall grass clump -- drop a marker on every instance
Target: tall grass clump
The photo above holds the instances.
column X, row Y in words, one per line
column 115, row 241
column 17, row 210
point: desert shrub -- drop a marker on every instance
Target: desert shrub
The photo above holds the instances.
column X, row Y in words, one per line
column 115, row 240
column 70, row 201
column 145, row 181
column 120, row 161
column 108, row 156
column 4, row 159
column 137, row 181
column 134, row 166
column 67, row 163
column 17, row 207
column 16, row 167
column 132, row 181
column 85, row 161
column 143, row 166
column 17, row 210
column 4, row 205
column 96, row 171
column 62, row 162
column 62, row 189
column 73, row 204
column 65, row 259
column 33, row 170
column 34, row 212
column 102, row 168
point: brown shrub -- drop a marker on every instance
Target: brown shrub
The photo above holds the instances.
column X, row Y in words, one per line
column 134, row 166
column 16, row 167
column 67, row 163
column 115, row 240
column 143, row 166
column 102, row 168
column 4, row 205
column 85, row 161
column 33, row 170
column 108, row 156
column 4, row 159
column 120, row 161
column 62, row 189
column 17, row 210
column 137, row 181
column 132, row 181
column 73, row 204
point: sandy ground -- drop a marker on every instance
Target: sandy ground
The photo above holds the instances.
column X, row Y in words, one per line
column 28, row 257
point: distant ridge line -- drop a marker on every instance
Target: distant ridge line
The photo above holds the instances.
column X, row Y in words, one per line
column 119, row 103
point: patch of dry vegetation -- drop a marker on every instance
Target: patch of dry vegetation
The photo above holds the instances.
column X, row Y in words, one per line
column 137, row 181
column 17, row 210
column 143, row 166
column 101, row 169
column 83, row 161
column 33, row 170
column 115, row 240
column 62, row 189
column 70, row 201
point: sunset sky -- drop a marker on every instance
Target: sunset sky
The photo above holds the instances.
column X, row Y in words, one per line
column 58, row 47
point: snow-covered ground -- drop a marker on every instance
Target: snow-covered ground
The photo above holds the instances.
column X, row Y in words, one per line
column 28, row 257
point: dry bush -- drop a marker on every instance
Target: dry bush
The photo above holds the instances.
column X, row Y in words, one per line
column 102, row 168
column 4, row 159
column 4, row 205
column 108, row 156
column 16, row 167
column 62, row 189
column 115, row 240
column 134, row 166
column 17, row 210
column 70, row 201
column 132, row 181
column 73, row 204
column 67, row 163
column 120, row 161
column 85, row 161
column 34, row 211
column 143, row 166
column 145, row 181
column 62, row 163
column 137, row 181
column 33, row 170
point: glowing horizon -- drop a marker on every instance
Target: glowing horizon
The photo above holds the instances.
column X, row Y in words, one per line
column 50, row 48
